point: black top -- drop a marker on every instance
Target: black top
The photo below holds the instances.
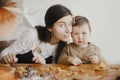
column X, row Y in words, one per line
column 27, row 58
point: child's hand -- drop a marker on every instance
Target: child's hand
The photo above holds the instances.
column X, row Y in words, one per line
column 74, row 60
column 38, row 59
column 93, row 59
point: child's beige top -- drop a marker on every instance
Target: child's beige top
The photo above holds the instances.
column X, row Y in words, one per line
column 71, row 50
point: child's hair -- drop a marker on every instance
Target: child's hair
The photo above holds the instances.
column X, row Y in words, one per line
column 80, row 20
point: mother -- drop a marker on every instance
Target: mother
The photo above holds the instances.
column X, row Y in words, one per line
column 42, row 42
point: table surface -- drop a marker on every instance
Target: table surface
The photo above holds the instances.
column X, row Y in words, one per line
column 65, row 72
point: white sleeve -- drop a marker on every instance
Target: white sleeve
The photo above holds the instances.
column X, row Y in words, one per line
column 21, row 45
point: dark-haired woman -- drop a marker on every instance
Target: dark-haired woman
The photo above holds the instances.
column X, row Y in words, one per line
column 42, row 44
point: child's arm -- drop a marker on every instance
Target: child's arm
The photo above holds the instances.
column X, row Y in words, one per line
column 66, row 58
column 74, row 61
column 96, row 57
column 93, row 59
column 63, row 59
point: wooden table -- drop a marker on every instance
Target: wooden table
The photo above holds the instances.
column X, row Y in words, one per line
column 84, row 72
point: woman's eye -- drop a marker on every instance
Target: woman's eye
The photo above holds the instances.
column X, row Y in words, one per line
column 62, row 25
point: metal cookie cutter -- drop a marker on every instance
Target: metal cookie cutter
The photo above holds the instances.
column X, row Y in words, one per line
column 31, row 74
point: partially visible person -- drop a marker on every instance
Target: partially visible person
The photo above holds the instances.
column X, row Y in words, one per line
column 42, row 44
column 81, row 51
column 7, row 19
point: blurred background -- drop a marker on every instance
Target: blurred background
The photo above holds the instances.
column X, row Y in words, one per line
column 104, row 17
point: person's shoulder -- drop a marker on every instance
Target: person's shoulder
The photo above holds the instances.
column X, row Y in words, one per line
column 29, row 33
column 91, row 44
column 70, row 45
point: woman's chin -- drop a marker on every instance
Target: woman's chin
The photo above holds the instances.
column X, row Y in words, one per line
column 65, row 40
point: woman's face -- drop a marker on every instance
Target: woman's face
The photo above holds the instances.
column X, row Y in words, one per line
column 61, row 29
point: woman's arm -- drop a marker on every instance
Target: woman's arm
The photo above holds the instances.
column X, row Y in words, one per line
column 20, row 46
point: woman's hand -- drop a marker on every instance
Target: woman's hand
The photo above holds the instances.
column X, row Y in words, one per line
column 39, row 59
column 9, row 59
column 74, row 60
column 93, row 59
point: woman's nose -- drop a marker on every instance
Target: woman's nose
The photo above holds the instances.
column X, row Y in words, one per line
column 69, row 29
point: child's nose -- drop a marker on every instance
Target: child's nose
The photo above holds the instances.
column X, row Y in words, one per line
column 80, row 37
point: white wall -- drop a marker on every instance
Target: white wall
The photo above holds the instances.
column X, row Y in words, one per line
column 104, row 16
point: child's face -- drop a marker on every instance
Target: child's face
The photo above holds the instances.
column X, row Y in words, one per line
column 80, row 35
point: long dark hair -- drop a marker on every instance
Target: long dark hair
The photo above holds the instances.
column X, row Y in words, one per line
column 53, row 13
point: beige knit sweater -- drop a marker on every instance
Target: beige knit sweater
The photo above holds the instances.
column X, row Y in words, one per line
column 71, row 50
